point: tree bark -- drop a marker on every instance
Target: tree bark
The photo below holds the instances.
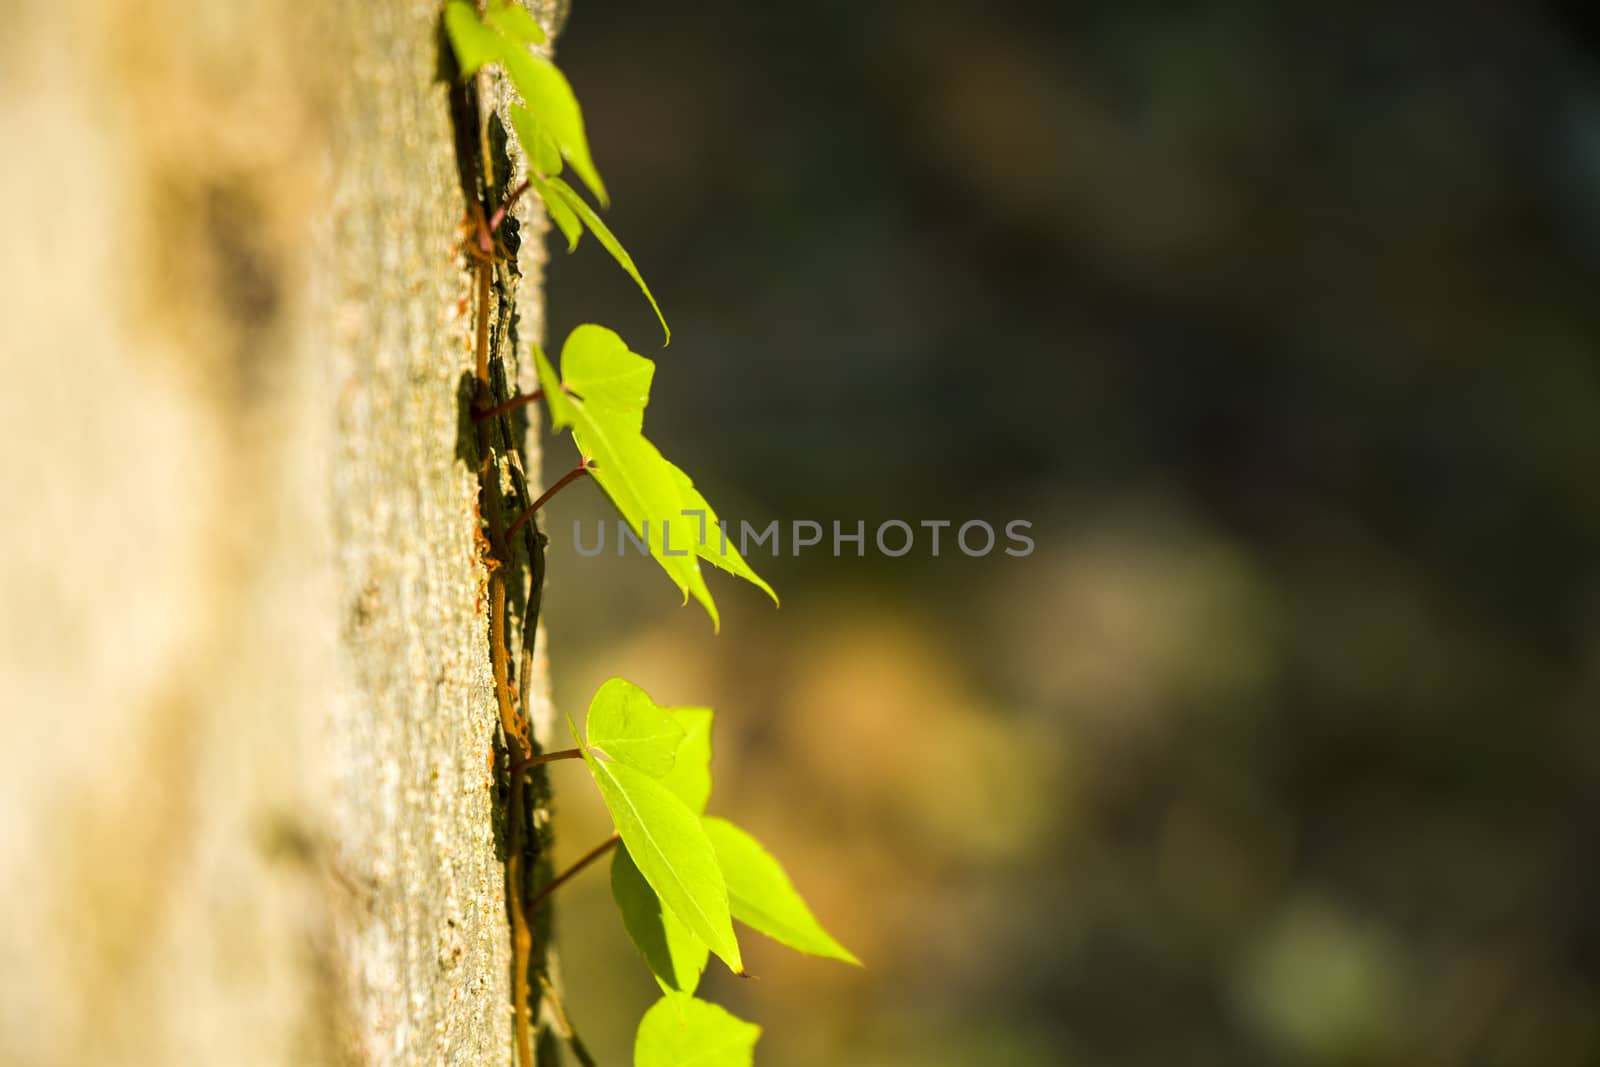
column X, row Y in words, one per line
column 251, row 811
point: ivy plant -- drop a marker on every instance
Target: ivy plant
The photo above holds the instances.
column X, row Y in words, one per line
column 680, row 878
column 601, row 394
column 548, row 123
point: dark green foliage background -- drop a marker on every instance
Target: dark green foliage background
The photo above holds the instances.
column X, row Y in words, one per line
column 1280, row 324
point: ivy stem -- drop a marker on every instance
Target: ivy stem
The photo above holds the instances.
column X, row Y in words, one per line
column 546, row 757
column 566, row 479
column 565, row 876
column 482, row 337
column 500, row 213
column 564, row 1024
column 518, row 401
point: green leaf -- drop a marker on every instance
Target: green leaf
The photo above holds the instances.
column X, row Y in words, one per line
column 640, row 482
column 688, row 1032
column 563, row 216
column 562, row 410
column 763, row 897
column 711, row 544
column 474, row 43
column 549, row 96
column 601, row 394
column 513, row 20
column 690, row 777
column 546, row 154
column 543, row 159
column 597, row 365
column 671, row 850
column 543, row 155
column 676, row 957
column 627, row 726
column 604, row 235
column 545, row 90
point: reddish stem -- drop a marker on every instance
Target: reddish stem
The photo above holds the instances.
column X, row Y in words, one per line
column 519, row 401
column 482, row 244
column 546, row 757
column 500, row 214
column 565, row 876
column 566, row 479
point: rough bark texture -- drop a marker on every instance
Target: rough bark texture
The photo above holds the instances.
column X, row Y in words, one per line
column 248, row 814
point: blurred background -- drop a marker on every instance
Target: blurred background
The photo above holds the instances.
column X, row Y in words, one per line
column 1279, row 323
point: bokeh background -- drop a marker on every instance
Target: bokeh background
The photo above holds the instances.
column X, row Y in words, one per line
column 1279, row 323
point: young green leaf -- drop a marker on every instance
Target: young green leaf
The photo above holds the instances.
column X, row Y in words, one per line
column 561, row 408
column 597, row 365
column 566, row 221
column 544, row 158
column 513, row 20
column 671, row 850
column 601, row 395
column 690, row 777
column 549, row 96
column 712, row 544
column 474, row 43
column 688, row 1032
column 604, row 235
column 763, row 897
column 627, row 726
column 676, row 957
column 544, row 155
column 612, row 385
column 639, row 481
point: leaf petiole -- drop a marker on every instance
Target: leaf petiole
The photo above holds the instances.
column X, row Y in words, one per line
column 565, row 876
column 546, row 757
column 500, row 213
column 518, row 401
column 566, row 479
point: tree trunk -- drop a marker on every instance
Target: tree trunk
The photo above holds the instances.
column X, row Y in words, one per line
column 251, row 810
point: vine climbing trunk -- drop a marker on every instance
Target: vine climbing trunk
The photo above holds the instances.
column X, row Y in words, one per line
column 258, row 804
